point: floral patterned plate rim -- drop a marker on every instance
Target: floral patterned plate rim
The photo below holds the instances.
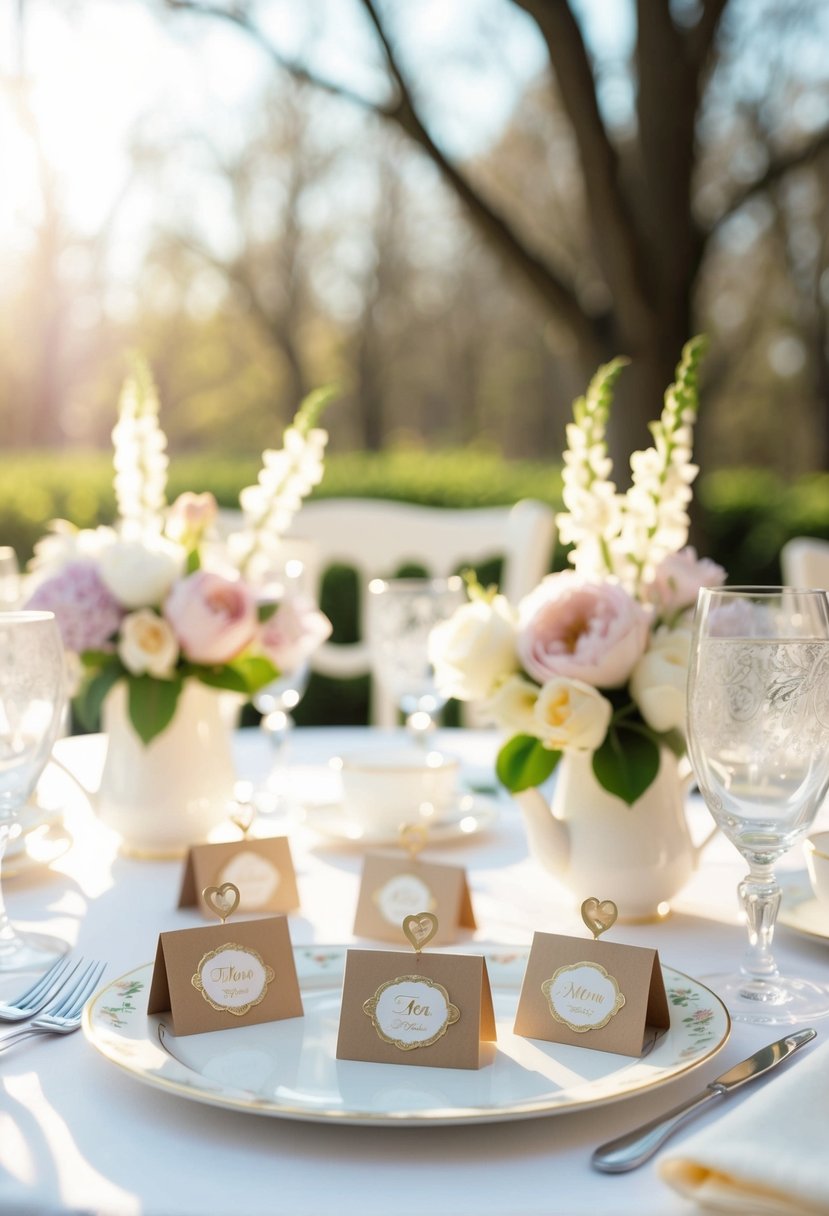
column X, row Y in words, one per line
column 288, row 1069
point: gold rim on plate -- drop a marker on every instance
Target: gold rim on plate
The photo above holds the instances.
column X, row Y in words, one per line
column 116, row 1024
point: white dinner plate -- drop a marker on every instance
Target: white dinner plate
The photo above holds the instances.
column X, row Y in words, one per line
column 288, row 1069
column 471, row 815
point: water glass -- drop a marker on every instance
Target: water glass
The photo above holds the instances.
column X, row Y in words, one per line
column 758, row 738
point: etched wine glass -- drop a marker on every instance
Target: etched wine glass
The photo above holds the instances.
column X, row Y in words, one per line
column 758, row 739
column 32, row 695
column 401, row 615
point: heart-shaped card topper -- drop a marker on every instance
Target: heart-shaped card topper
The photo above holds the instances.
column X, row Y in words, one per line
column 242, row 816
column 413, row 837
column 420, row 929
column 222, row 901
column 599, row 915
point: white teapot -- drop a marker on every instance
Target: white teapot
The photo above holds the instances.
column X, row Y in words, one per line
column 639, row 856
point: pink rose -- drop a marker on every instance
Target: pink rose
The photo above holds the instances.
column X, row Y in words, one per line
column 213, row 618
column 87, row 613
column 678, row 578
column 594, row 632
column 294, row 631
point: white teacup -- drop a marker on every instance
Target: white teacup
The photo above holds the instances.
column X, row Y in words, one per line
column 385, row 789
column 816, row 848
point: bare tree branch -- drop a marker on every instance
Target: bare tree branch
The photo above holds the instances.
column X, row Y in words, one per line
column 557, row 295
column 241, row 21
column 776, row 169
column 552, row 288
column 617, row 239
column 701, row 37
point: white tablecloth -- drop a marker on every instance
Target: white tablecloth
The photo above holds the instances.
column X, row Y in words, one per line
column 79, row 1135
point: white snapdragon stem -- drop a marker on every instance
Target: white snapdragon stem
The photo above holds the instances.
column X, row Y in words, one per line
column 287, row 476
column 140, row 457
column 655, row 519
column 593, row 516
column 626, row 536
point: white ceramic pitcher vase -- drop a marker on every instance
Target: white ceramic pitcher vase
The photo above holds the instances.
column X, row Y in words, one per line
column 639, row 856
column 163, row 796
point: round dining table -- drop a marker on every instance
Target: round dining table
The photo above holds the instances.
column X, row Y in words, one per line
column 79, row 1134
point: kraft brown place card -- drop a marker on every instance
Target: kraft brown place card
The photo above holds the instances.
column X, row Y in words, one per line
column 261, row 868
column 221, row 976
column 393, row 887
column 601, row 995
column 399, row 1008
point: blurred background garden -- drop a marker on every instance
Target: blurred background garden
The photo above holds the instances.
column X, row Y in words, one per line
column 453, row 209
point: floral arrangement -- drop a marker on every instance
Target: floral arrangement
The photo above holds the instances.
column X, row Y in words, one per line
column 594, row 659
column 157, row 599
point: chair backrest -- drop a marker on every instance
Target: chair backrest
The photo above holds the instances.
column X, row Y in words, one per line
column 804, row 562
column 375, row 537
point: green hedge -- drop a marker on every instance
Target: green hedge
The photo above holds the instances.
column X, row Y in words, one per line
column 743, row 516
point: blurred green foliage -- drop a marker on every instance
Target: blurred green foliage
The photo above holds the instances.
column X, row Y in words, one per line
column 743, row 516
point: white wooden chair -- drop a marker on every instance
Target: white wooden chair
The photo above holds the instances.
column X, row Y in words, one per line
column 376, row 537
column 804, row 562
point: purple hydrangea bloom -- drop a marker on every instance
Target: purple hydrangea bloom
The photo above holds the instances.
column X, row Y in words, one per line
column 86, row 611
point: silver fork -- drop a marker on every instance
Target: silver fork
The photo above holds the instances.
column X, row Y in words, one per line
column 64, row 1014
column 41, row 992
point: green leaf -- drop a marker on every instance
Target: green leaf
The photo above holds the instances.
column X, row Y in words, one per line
column 265, row 610
column 523, row 763
column 91, row 696
column 96, row 658
column 152, row 704
column 193, row 561
column 256, row 671
column 627, row 761
column 220, row 677
column 244, row 675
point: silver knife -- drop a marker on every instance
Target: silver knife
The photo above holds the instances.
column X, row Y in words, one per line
column 636, row 1147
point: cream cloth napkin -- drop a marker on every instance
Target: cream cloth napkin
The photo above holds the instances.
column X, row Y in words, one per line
column 770, row 1155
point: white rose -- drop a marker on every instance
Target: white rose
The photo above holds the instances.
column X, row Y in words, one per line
column 571, row 715
column 658, row 681
column 512, row 705
column 147, row 644
column 475, row 649
column 139, row 573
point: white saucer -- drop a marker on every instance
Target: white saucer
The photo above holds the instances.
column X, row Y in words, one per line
column 805, row 915
column 471, row 815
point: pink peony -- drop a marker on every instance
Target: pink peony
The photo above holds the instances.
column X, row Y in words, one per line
column 294, row 631
column 594, row 632
column 213, row 618
column 190, row 516
column 87, row 613
column 678, row 578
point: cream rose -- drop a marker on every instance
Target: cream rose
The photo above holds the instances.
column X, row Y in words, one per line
column 475, row 649
column 140, row 573
column 570, row 715
column 147, row 644
column 658, row 681
column 512, row 705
